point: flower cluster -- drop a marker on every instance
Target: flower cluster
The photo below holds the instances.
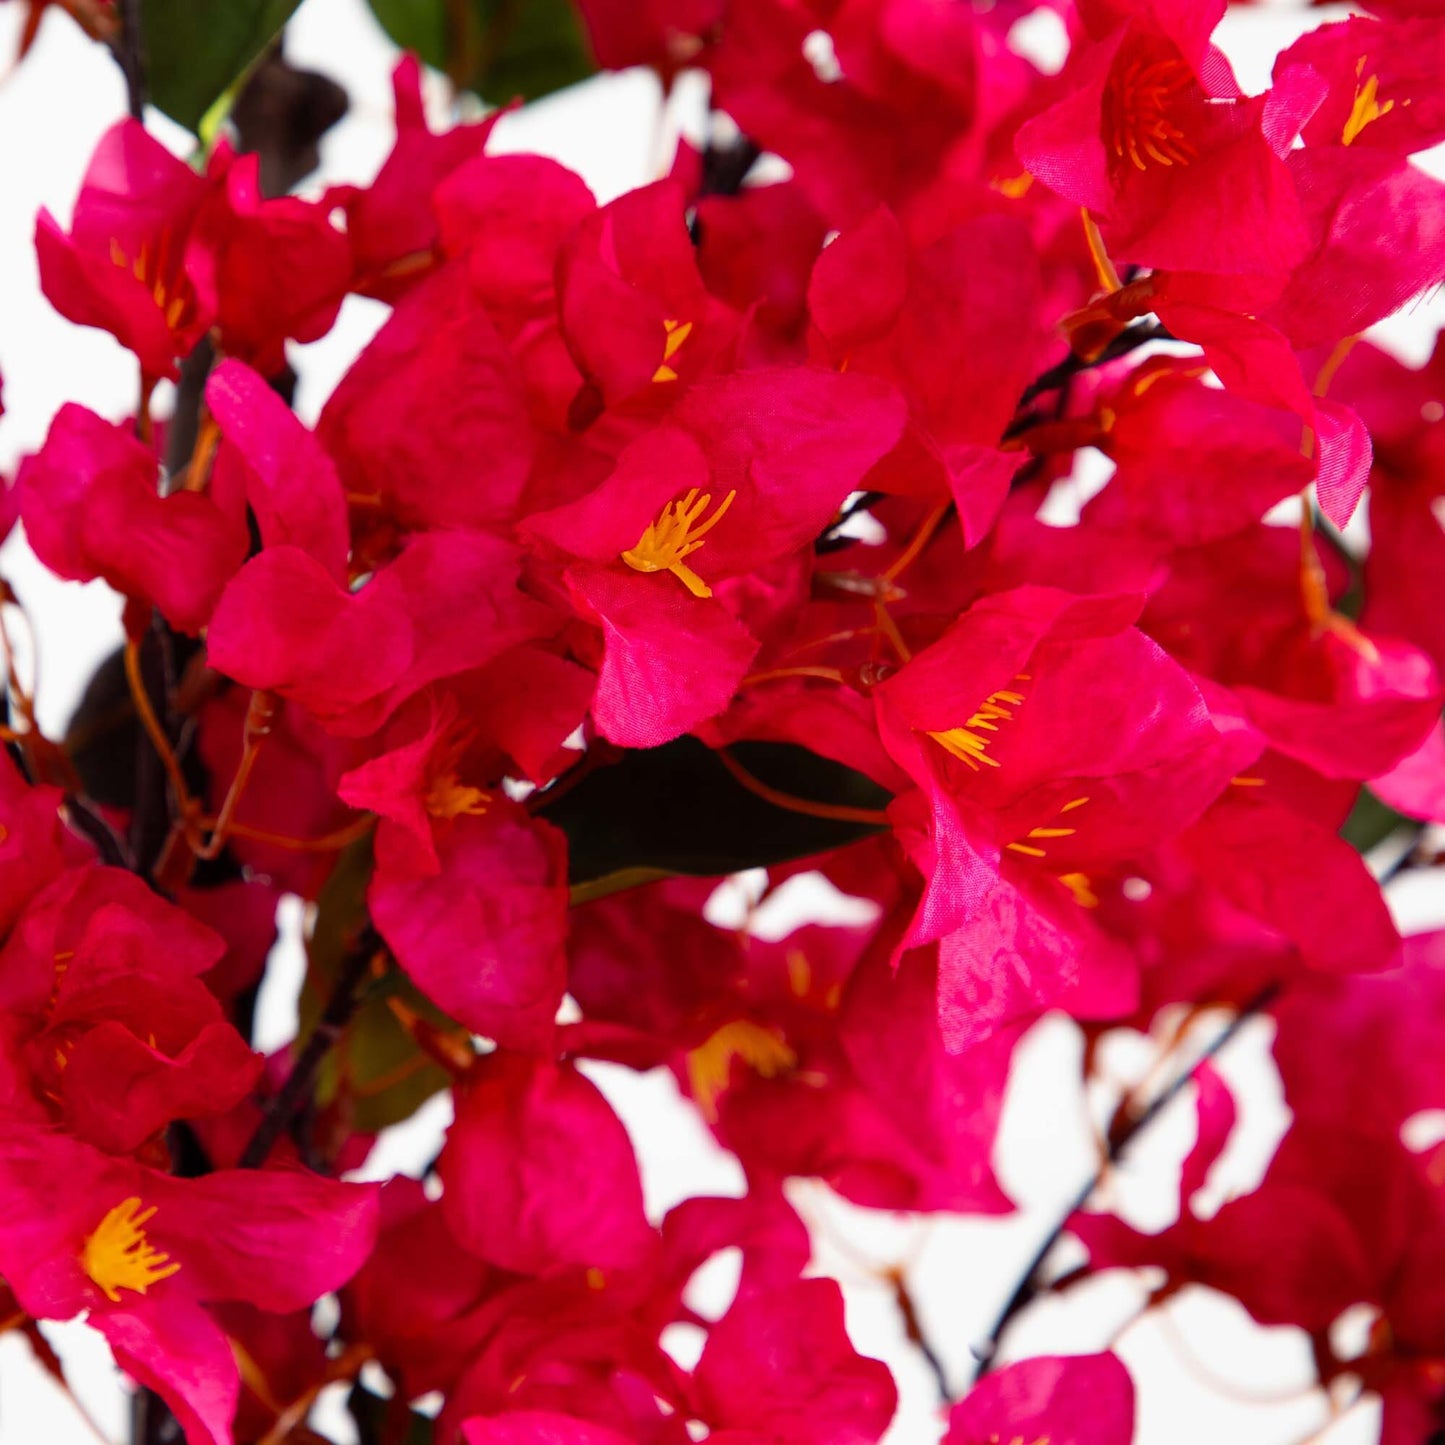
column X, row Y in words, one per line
column 711, row 528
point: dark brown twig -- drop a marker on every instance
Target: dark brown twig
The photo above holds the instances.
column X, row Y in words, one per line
column 109, row 844
column 1031, row 1283
column 1130, row 339
column 294, row 1095
column 130, row 56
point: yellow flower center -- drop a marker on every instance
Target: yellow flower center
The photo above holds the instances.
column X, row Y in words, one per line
column 117, row 1256
column 676, row 534
column 1367, row 107
column 448, row 798
column 710, row 1064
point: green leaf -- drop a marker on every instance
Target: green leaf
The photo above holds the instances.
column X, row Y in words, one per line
column 677, row 809
column 375, row 1073
column 499, row 48
column 650, row 814
column 1370, row 822
column 197, row 49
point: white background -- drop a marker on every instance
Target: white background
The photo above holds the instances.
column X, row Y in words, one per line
column 1204, row 1372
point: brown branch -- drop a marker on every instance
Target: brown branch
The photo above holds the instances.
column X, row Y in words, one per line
column 1130, row 339
column 1031, row 1283
column 295, row 1094
column 129, row 49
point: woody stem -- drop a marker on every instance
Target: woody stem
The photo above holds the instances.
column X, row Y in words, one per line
column 289, row 1100
column 1031, row 1282
column 130, row 56
column 1130, row 339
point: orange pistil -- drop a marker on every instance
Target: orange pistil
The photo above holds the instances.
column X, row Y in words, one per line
column 678, row 533
column 1140, row 109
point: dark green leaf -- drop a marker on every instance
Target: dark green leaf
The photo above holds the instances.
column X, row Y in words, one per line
column 1370, row 822
column 499, row 48
column 677, row 809
column 197, row 49
column 375, row 1073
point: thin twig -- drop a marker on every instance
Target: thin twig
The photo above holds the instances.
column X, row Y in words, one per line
column 1030, row 1283
column 130, row 55
column 293, row 1095
column 1130, row 339
column 109, row 844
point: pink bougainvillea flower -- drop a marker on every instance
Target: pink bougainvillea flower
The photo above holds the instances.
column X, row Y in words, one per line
column 1296, row 877
column 92, row 507
column 873, row 299
column 869, row 117
column 429, row 428
column 481, row 929
column 805, row 1058
column 779, row 1366
column 1066, row 1400
column 390, row 223
column 538, row 1172
column 1380, row 79
column 447, row 603
column 127, row 265
column 1155, row 139
column 745, row 471
column 289, row 482
column 108, row 1029
column 286, row 625
column 145, row 1254
column 508, row 218
column 755, row 251
column 35, row 845
column 1345, row 705
column 1193, row 462
column 871, row 1103
column 1360, row 266
column 1360, row 1052
column 665, row 34
column 1044, row 730
column 1403, row 407
column 1309, row 1244
column 634, row 311
column 278, row 268
column 414, row 1298
column 539, row 1427
column 414, row 788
